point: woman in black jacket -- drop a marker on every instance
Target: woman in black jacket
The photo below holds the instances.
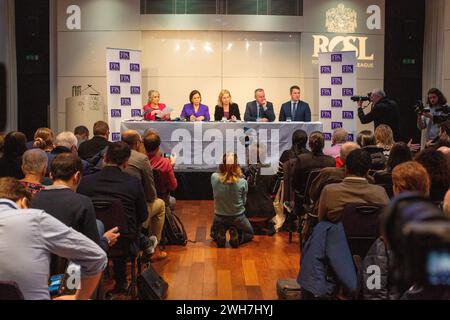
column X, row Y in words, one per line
column 226, row 108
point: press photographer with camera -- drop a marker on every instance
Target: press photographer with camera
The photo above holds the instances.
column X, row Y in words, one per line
column 430, row 118
column 383, row 111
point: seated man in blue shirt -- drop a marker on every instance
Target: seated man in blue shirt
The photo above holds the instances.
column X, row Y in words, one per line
column 28, row 237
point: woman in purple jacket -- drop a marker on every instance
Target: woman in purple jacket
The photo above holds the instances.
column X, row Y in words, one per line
column 195, row 111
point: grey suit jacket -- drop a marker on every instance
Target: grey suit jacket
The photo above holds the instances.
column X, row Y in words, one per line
column 139, row 166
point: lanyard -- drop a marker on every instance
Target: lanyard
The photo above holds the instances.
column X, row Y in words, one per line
column 8, row 205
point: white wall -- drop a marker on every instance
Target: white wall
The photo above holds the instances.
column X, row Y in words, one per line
column 176, row 61
column 446, row 73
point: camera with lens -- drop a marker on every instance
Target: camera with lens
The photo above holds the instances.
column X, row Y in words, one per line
column 361, row 98
column 419, row 108
column 429, row 254
column 444, row 116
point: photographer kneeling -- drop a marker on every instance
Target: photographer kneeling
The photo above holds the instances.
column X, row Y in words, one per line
column 383, row 111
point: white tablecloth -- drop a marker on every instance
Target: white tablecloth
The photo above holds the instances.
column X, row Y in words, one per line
column 199, row 146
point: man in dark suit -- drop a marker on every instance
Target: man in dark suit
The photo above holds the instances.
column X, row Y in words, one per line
column 295, row 109
column 90, row 148
column 259, row 110
column 113, row 182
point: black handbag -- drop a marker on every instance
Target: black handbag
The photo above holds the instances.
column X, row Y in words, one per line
column 151, row 286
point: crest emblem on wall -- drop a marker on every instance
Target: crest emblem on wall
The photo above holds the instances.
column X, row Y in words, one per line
column 341, row 20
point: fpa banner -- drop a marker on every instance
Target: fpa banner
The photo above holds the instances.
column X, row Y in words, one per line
column 124, row 87
column 337, row 83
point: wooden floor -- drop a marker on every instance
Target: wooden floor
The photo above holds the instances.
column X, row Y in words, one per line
column 202, row 271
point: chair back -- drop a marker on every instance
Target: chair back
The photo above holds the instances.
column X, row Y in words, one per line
column 9, row 290
column 361, row 225
column 110, row 211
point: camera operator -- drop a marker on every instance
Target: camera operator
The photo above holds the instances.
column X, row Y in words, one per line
column 383, row 111
column 436, row 101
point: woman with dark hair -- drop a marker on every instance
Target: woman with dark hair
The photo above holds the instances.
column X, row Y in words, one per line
column 309, row 161
column 299, row 140
column 195, row 111
column 438, row 169
column 367, row 141
column 435, row 100
column 11, row 162
column 399, row 153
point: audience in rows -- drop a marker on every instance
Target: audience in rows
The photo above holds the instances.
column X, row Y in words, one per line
column 139, row 166
column 32, row 236
column 353, row 189
column 56, row 182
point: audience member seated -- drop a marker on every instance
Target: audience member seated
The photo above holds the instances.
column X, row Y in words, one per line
column 82, row 134
column 230, row 193
column 309, row 161
column 438, row 169
column 399, row 153
column 443, row 139
column 411, row 225
column 2, row 144
column 43, row 139
column 168, row 182
column 327, row 270
column 32, row 236
column 299, row 140
column 139, row 166
column 113, row 182
column 411, row 176
column 384, row 138
column 34, row 167
column 61, row 200
column 11, row 161
column 353, row 189
column 66, row 142
column 446, row 204
column 340, row 136
column 259, row 207
column 91, row 147
column 331, row 175
column 366, row 140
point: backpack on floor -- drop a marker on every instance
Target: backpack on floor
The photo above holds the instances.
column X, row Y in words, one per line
column 173, row 231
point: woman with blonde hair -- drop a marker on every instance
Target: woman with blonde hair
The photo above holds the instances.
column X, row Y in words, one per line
column 43, row 139
column 154, row 109
column 385, row 138
column 230, row 195
column 226, row 108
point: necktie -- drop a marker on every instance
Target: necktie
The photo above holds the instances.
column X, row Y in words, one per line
column 294, row 109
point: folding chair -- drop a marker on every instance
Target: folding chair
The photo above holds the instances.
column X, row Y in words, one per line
column 361, row 226
column 111, row 212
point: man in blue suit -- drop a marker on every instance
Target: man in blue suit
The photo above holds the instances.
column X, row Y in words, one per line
column 259, row 110
column 295, row 109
